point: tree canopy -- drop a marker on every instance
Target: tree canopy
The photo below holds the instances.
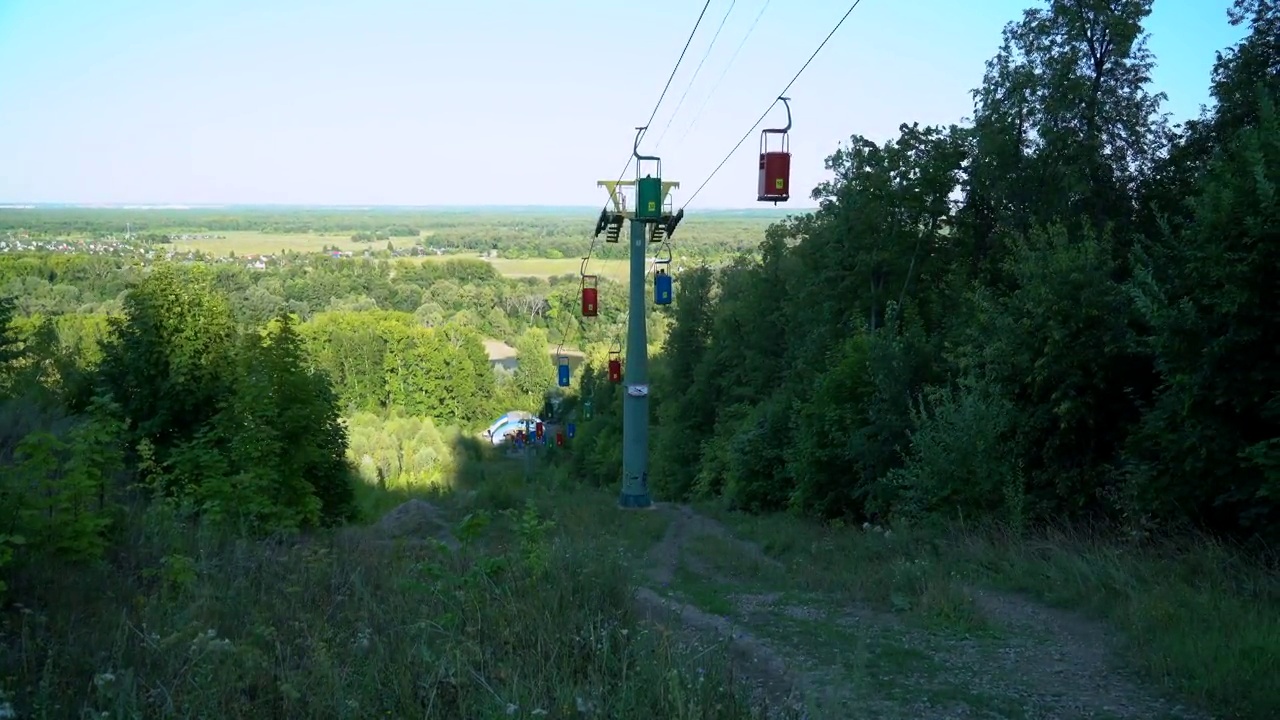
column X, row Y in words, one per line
column 1058, row 311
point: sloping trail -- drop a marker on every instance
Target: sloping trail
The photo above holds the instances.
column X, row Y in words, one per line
column 773, row 683
column 827, row 656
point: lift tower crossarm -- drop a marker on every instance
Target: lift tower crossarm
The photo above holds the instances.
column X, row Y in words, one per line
column 616, row 201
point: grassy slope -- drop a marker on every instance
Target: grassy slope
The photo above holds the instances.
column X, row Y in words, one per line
column 536, row 616
column 969, row 617
column 523, row 621
column 1194, row 620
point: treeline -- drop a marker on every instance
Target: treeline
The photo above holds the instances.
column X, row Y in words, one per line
column 382, row 361
column 181, row 407
column 1067, row 309
column 79, row 289
column 101, row 221
column 514, row 235
column 174, row 401
column 699, row 239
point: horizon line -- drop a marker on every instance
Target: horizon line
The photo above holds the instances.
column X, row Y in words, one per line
column 19, row 205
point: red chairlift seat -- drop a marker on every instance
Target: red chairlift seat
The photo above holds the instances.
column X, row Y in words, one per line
column 775, row 165
column 590, row 294
column 615, row 366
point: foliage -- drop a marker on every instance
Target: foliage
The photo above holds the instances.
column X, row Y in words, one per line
column 534, row 372
column 399, row 451
column 231, row 425
column 355, row 626
column 1059, row 311
column 82, row 290
column 1062, row 311
column 514, row 234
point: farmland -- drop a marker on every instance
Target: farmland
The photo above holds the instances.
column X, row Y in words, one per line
column 519, row 243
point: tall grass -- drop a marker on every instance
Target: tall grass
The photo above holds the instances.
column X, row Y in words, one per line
column 183, row 623
column 1198, row 618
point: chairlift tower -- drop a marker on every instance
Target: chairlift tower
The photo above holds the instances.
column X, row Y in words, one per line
column 651, row 220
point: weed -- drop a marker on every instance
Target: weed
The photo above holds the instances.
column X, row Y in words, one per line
column 337, row 625
column 1194, row 617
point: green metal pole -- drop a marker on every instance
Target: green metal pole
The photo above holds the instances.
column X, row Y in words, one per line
column 635, row 404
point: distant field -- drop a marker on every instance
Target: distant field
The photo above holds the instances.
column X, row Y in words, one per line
column 544, row 267
column 271, row 231
column 252, row 242
column 540, row 267
column 259, row 243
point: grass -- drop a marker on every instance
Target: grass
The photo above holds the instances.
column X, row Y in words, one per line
column 1193, row 617
column 529, row 619
column 252, row 242
column 533, row 614
column 244, row 243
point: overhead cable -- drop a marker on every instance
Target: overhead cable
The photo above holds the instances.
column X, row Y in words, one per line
column 670, row 77
column 725, row 72
column 775, row 102
column 696, row 70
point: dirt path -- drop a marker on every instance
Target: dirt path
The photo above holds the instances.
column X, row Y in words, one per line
column 823, row 655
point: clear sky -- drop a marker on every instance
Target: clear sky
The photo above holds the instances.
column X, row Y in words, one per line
column 499, row 102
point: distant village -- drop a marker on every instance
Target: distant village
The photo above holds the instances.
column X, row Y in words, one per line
column 148, row 250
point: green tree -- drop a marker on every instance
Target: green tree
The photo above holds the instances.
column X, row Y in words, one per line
column 1210, row 447
column 168, row 363
column 535, row 373
column 283, row 439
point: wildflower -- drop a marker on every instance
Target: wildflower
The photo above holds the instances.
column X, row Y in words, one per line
column 7, row 712
column 512, row 708
column 539, row 712
column 101, row 680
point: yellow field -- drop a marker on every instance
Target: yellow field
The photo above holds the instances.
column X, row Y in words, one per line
column 259, row 243
column 244, row 243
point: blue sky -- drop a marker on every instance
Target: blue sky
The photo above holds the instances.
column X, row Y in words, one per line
column 504, row 102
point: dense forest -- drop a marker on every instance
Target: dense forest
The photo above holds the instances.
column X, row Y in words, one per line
column 264, row 391
column 1060, row 311
column 77, row 292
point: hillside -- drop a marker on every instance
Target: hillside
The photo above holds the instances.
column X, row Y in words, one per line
column 994, row 432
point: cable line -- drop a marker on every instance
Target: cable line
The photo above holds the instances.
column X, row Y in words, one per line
column 775, row 102
column 694, row 31
column 716, row 86
column 696, row 70
column 667, row 87
column 591, row 248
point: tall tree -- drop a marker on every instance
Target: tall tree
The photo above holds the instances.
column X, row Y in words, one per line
column 1065, row 125
column 168, row 362
column 534, row 373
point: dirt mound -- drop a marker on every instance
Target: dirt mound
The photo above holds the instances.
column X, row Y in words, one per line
column 416, row 519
